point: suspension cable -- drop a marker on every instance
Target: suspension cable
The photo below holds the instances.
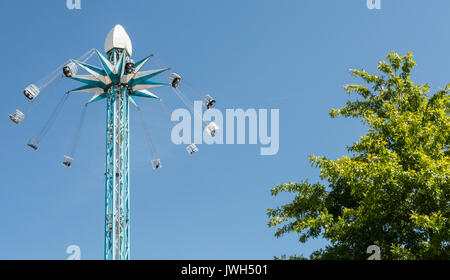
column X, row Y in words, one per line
column 53, row 117
column 168, row 111
column 158, row 61
column 42, row 96
column 193, row 148
column 180, row 94
column 87, row 55
column 193, row 88
column 166, row 108
column 78, row 131
column 186, row 101
column 50, row 78
column 147, row 133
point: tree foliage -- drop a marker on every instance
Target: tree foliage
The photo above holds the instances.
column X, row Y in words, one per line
column 393, row 188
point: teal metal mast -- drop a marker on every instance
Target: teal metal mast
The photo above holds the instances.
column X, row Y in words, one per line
column 117, row 208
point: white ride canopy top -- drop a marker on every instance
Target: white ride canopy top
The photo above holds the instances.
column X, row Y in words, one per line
column 118, row 39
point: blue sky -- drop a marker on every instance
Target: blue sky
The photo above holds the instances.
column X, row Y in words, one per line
column 290, row 55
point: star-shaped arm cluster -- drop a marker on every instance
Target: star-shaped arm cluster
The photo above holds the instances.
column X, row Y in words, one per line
column 101, row 79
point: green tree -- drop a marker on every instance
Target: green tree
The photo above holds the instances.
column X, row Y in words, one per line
column 392, row 190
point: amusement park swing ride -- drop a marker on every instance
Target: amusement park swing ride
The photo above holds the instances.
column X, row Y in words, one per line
column 119, row 80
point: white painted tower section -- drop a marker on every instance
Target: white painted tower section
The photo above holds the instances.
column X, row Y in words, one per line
column 118, row 38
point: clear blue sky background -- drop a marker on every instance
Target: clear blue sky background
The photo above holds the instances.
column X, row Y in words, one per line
column 291, row 55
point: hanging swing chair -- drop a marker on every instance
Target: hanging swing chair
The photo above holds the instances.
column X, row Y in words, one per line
column 17, row 116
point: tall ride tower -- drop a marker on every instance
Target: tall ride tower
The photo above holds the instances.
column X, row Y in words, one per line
column 119, row 82
column 117, row 203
